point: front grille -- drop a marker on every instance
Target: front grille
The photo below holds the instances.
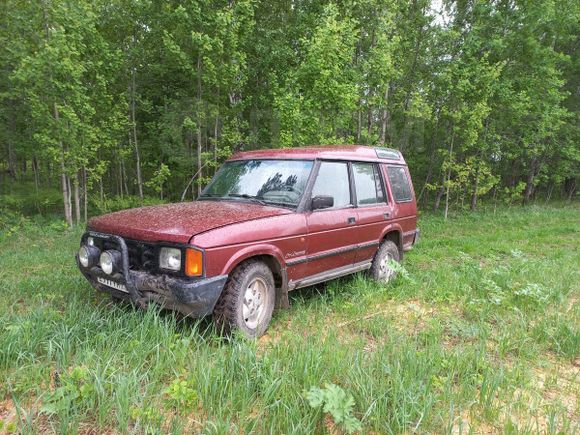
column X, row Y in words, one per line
column 142, row 256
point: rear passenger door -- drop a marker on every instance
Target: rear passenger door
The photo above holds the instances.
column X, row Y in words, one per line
column 373, row 210
column 332, row 238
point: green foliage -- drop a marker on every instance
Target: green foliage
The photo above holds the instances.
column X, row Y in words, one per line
column 160, row 176
column 75, row 391
column 181, row 395
column 123, row 97
column 116, row 203
column 336, row 402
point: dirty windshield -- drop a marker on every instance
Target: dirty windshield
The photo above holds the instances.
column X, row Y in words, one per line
column 270, row 182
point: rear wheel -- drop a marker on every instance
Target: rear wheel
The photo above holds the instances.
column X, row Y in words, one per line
column 247, row 301
column 381, row 269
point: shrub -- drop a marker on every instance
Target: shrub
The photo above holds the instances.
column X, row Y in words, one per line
column 335, row 401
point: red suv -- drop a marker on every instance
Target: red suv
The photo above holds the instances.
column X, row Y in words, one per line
column 269, row 222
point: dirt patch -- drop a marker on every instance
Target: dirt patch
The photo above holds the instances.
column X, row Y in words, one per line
column 467, row 422
column 411, row 313
column 552, row 388
column 8, row 416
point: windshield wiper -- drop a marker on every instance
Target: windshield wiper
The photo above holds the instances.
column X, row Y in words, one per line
column 210, row 195
column 246, row 196
column 281, row 204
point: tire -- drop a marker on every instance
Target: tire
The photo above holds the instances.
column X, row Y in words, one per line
column 380, row 270
column 247, row 300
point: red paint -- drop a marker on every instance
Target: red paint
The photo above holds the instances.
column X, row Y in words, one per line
column 330, row 152
column 301, row 242
column 178, row 222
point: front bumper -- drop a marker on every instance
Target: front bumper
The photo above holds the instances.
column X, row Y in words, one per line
column 194, row 297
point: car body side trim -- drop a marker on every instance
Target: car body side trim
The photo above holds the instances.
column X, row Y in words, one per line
column 331, row 253
column 329, row 274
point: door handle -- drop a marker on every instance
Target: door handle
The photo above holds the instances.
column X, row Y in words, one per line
column 387, row 215
column 351, row 220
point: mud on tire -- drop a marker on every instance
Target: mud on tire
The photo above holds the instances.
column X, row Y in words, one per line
column 247, row 300
column 380, row 270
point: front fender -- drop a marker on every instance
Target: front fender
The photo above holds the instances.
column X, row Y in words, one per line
column 253, row 251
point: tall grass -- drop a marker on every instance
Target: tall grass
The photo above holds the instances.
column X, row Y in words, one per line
column 482, row 335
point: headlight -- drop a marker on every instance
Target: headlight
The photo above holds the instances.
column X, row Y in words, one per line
column 110, row 261
column 170, row 258
column 88, row 255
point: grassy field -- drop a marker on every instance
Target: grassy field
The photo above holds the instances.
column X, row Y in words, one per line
column 480, row 334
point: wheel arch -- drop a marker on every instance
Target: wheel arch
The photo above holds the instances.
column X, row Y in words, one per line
column 394, row 234
column 272, row 257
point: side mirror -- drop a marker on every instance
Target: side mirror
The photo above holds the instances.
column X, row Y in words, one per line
column 322, row 201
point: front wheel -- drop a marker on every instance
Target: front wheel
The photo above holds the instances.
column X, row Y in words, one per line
column 381, row 269
column 247, row 301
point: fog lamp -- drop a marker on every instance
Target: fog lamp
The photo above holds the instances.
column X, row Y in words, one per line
column 88, row 255
column 110, row 261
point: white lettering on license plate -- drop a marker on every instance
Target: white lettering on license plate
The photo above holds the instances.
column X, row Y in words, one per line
column 112, row 284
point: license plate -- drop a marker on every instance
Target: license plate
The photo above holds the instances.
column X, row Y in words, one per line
column 112, row 284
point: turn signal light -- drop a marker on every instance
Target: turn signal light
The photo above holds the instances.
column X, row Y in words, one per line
column 193, row 262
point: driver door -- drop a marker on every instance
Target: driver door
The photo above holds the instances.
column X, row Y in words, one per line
column 332, row 236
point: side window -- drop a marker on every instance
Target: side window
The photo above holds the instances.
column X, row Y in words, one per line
column 399, row 183
column 367, row 181
column 333, row 181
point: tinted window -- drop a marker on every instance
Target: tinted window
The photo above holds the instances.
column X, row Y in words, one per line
column 368, row 184
column 333, row 181
column 399, row 183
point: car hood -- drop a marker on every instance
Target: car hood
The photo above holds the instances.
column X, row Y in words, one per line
column 179, row 222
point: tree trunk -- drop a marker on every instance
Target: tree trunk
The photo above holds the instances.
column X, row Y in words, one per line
column 572, row 190
column 449, row 177
column 370, row 122
column 76, row 183
column 215, row 135
column 65, row 184
column 549, row 193
column 35, row 170
column 199, row 138
column 11, row 162
column 474, row 194
column 385, row 117
column 134, row 131
column 85, row 193
column 475, row 184
column 358, row 124
column 124, row 176
column 120, row 180
column 69, row 198
column 530, row 182
column 440, row 193
column 431, row 159
column 478, row 169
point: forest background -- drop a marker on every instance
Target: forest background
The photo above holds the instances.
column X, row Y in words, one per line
column 109, row 104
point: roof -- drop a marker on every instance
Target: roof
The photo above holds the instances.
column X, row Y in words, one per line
column 332, row 152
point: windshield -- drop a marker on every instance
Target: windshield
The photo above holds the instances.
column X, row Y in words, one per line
column 273, row 182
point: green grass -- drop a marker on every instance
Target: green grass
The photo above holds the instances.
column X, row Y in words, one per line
column 482, row 335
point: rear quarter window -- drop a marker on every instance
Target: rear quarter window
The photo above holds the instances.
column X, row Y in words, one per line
column 400, row 184
column 367, row 180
